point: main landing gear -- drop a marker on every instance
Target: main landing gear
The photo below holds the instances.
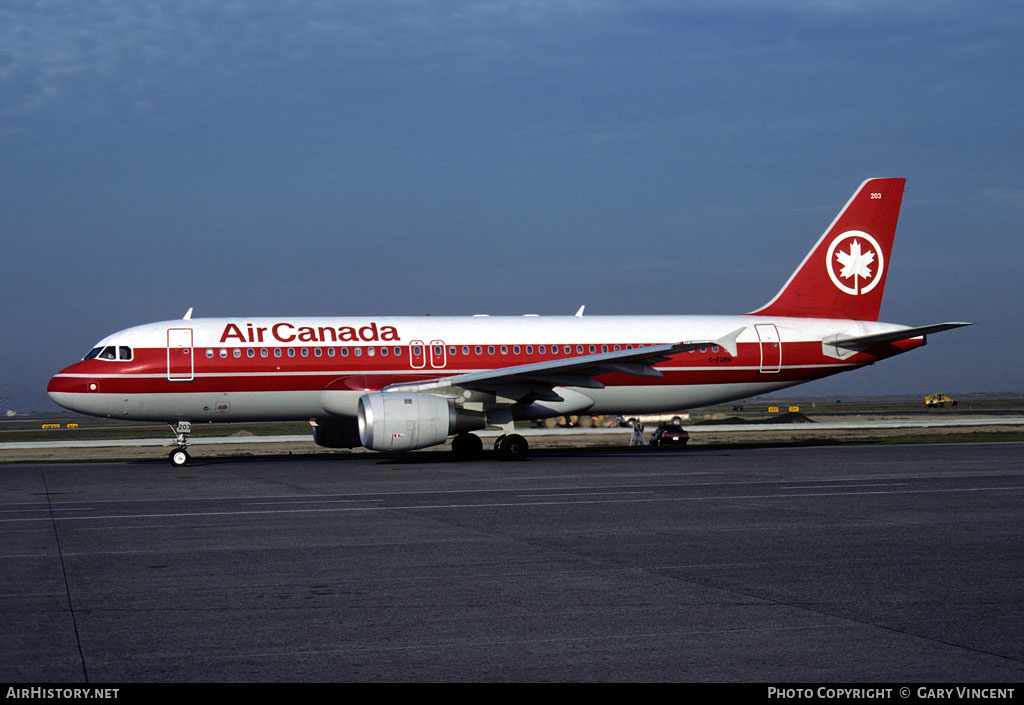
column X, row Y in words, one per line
column 468, row 446
column 179, row 457
column 511, row 447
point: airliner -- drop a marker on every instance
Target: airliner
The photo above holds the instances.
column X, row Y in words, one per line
column 405, row 383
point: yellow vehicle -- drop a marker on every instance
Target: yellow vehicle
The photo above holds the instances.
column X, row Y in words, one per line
column 938, row 400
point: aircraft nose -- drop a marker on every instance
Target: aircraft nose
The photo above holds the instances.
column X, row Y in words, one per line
column 68, row 391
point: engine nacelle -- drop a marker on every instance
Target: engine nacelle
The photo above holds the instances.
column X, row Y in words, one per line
column 336, row 432
column 401, row 421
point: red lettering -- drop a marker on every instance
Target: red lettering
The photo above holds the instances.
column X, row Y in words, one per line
column 284, row 338
column 368, row 333
column 288, row 332
column 232, row 331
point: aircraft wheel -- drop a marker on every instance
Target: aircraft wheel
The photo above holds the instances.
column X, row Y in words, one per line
column 179, row 457
column 513, row 447
column 467, row 446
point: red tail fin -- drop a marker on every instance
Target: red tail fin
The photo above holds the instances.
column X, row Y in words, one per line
column 843, row 275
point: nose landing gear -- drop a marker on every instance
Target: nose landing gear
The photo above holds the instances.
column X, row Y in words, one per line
column 179, row 457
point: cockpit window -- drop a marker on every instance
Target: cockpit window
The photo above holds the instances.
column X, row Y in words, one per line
column 110, row 352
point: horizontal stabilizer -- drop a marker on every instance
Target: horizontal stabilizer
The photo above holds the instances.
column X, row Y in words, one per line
column 844, row 346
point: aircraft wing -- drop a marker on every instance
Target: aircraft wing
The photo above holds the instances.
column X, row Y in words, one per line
column 537, row 381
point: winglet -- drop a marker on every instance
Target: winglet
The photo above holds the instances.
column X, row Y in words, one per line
column 188, row 315
column 579, row 314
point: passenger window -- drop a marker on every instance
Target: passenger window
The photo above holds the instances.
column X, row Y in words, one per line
column 277, row 352
column 305, row 352
column 291, row 352
column 237, row 352
column 318, row 352
column 209, row 352
column 250, row 352
column 223, row 352
column 264, row 352
column 358, row 352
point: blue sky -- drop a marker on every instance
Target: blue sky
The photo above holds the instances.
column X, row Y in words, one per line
column 274, row 158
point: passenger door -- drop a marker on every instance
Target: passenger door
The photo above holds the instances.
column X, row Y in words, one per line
column 180, row 366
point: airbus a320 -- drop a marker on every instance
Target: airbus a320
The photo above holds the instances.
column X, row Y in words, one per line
column 404, row 383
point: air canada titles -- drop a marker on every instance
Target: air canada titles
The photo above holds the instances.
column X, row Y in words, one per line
column 285, row 332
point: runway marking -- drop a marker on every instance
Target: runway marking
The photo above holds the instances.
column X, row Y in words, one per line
column 313, row 501
column 493, row 505
column 47, row 509
column 830, row 487
column 582, row 494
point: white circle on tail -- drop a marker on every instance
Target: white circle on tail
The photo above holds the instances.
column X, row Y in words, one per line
column 855, row 262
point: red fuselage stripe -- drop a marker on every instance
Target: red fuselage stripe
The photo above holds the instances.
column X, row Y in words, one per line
column 147, row 372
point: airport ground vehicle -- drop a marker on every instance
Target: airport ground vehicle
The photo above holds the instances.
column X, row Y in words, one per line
column 933, row 401
column 667, row 435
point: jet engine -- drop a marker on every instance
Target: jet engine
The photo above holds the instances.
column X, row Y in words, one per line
column 398, row 421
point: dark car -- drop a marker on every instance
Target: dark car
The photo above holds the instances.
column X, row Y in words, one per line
column 669, row 434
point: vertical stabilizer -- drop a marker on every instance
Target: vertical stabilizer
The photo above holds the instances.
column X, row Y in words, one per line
column 843, row 276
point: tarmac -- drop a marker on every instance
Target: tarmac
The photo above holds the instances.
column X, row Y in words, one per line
column 842, row 564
